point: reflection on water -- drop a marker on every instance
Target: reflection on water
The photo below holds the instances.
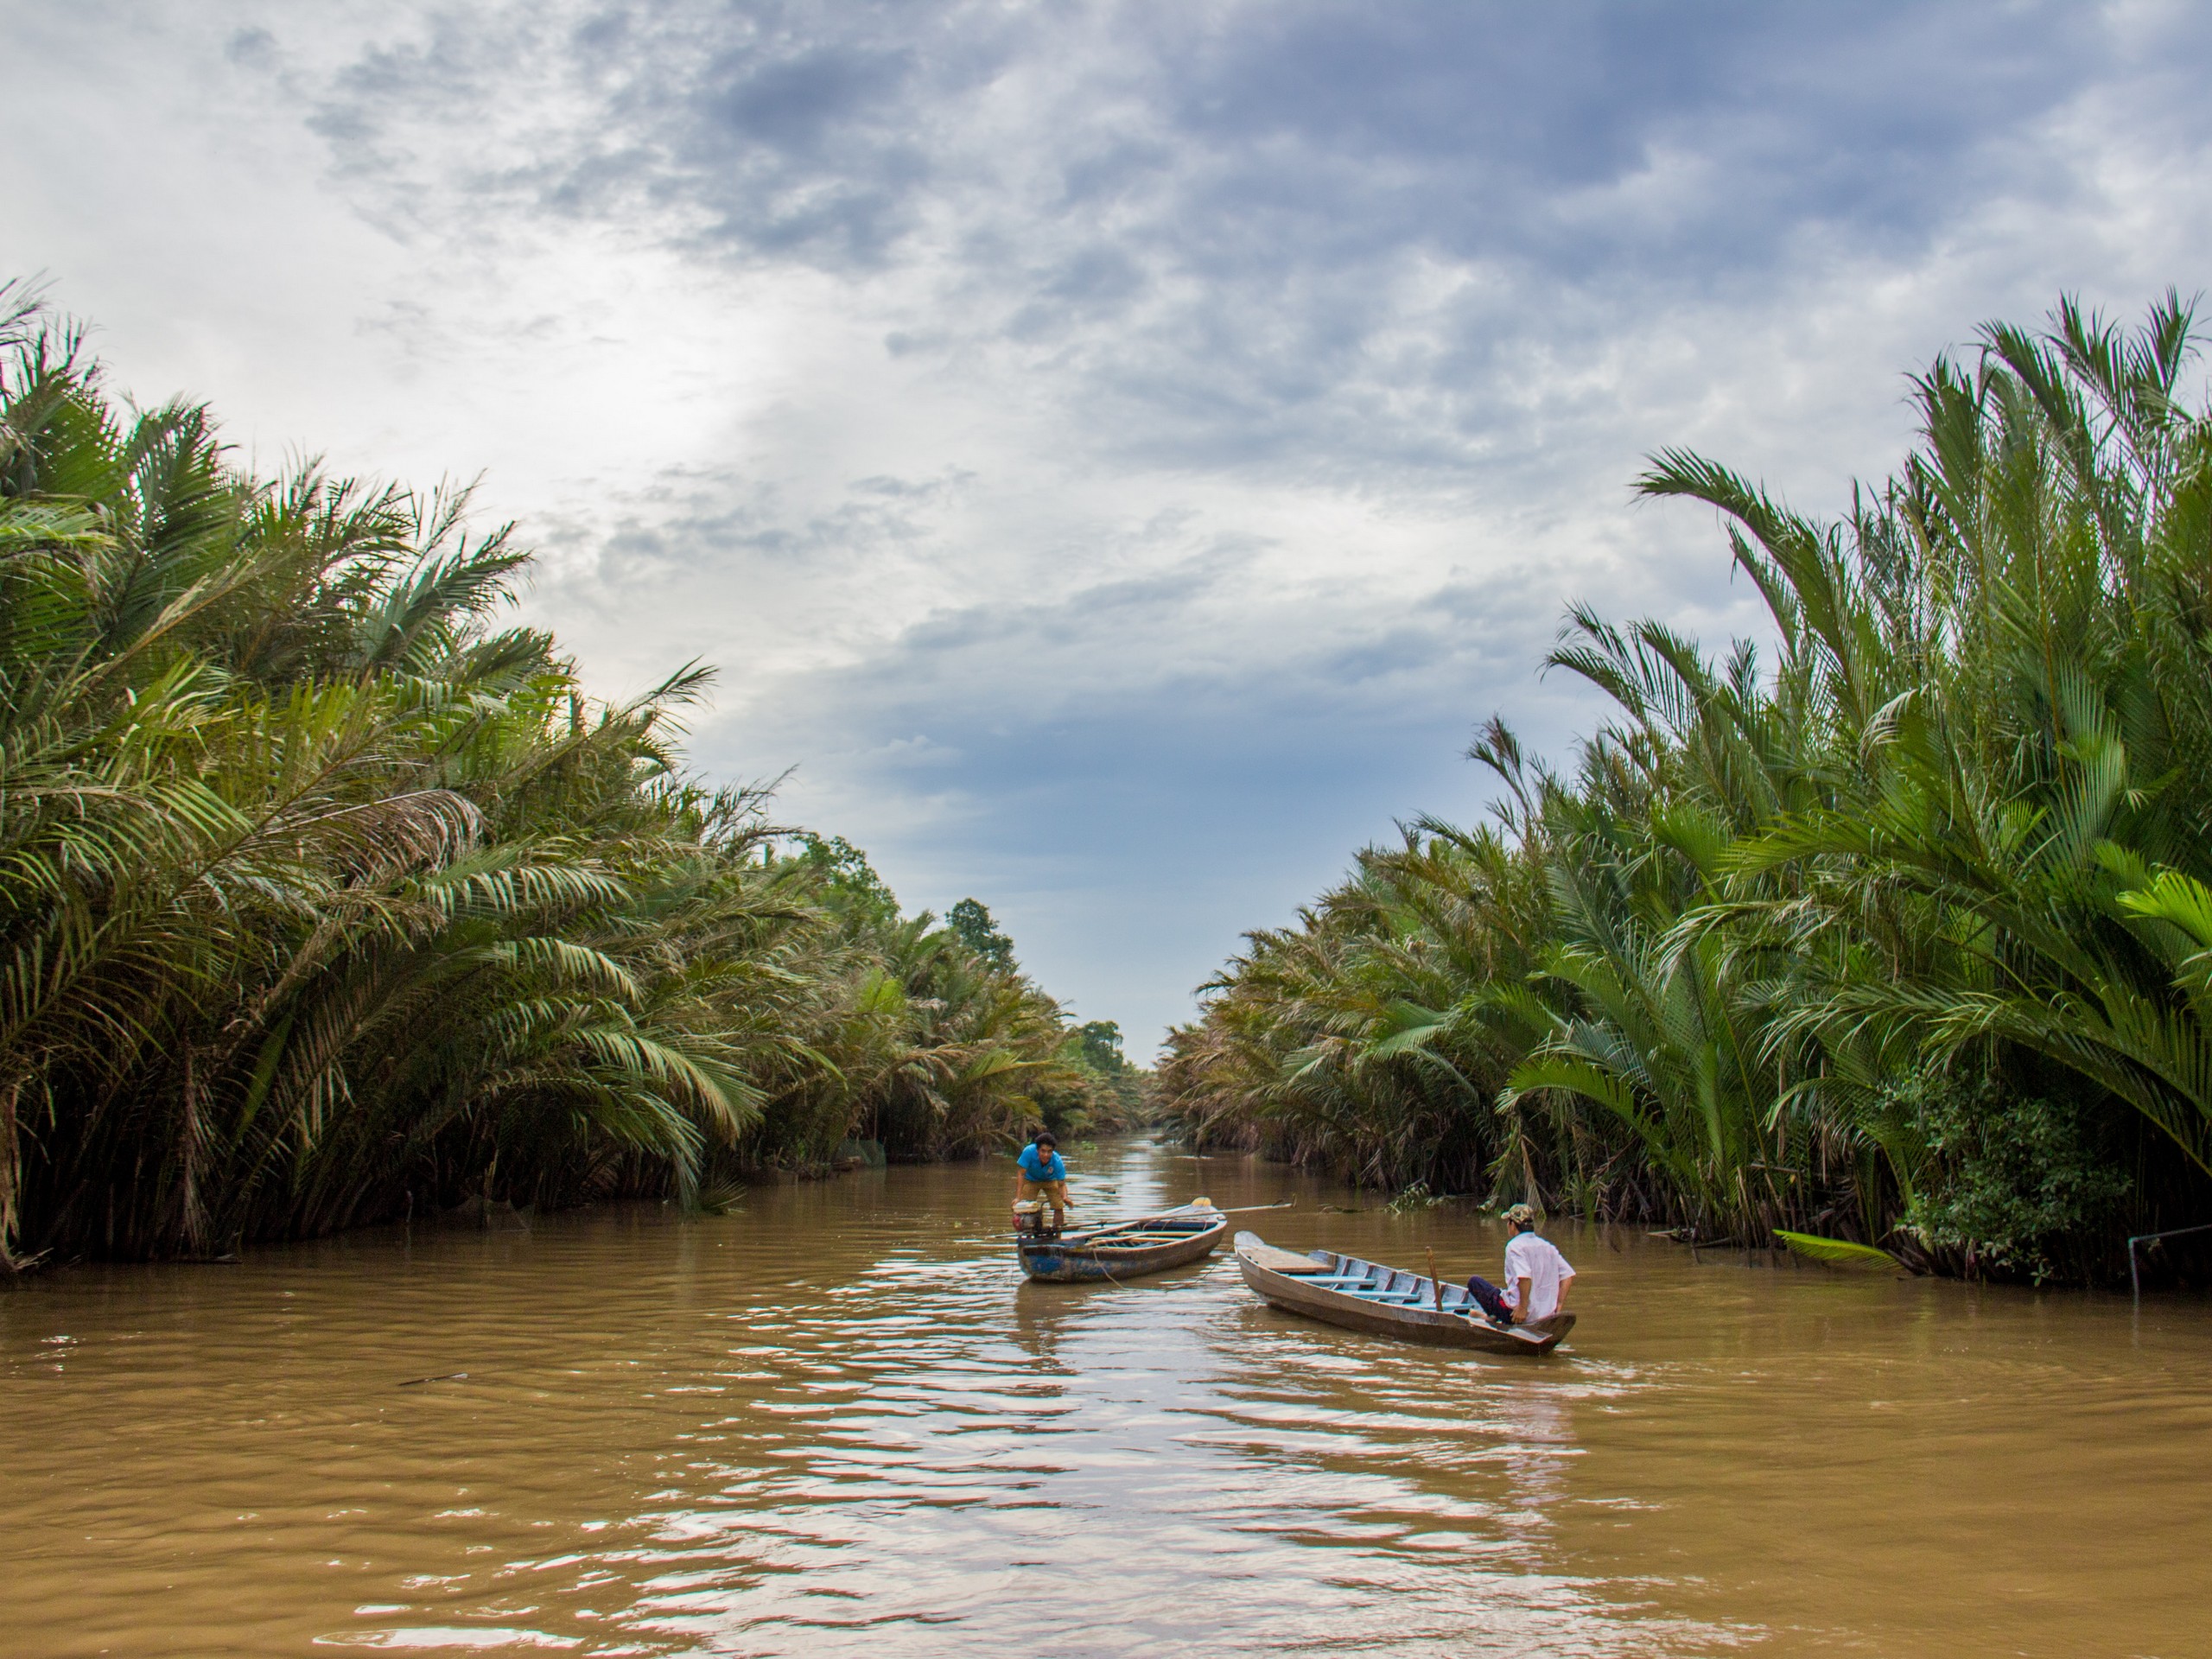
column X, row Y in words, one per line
column 838, row 1422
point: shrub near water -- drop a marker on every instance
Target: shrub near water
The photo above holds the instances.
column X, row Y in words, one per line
column 2020, row 1184
column 324, row 897
column 1958, row 826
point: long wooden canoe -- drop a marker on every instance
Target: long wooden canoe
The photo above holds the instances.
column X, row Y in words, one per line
column 1123, row 1250
column 1389, row 1301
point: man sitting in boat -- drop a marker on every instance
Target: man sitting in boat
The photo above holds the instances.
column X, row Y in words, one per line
column 1043, row 1175
column 1536, row 1275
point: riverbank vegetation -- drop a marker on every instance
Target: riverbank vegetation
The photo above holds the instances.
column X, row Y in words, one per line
column 326, row 895
column 1896, row 930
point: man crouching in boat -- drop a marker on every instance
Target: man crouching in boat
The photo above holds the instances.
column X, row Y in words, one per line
column 1043, row 1175
column 1536, row 1275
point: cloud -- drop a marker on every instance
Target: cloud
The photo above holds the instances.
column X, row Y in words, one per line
column 1116, row 451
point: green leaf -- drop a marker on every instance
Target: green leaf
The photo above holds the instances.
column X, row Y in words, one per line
column 1837, row 1252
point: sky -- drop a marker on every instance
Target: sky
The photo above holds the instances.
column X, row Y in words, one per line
column 1115, row 454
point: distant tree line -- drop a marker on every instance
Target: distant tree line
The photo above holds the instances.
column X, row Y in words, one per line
column 328, row 897
column 1902, row 935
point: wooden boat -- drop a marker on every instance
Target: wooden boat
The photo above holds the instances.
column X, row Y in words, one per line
column 1389, row 1301
column 1123, row 1250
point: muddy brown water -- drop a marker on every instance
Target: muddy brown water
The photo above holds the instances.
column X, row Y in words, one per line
column 837, row 1423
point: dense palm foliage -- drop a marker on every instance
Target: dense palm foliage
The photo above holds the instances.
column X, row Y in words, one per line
column 1904, row 935
column 324, row 897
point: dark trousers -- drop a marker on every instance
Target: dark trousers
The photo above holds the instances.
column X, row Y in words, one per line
column 1491, row 1299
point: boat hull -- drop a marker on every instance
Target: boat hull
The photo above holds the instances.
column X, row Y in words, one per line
column 1296, row 1289
column 1084, row 1258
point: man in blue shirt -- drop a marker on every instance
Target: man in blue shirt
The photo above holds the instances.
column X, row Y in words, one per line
column 1043, row 1176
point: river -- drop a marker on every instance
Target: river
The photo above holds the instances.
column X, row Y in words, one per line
column 836, row 1422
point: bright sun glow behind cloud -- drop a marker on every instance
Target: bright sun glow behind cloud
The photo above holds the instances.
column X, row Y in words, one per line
column 1114, row 452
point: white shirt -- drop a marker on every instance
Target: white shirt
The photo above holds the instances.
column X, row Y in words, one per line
column 1535, row 1259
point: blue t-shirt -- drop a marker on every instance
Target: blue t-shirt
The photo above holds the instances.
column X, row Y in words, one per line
column 1047, row 1167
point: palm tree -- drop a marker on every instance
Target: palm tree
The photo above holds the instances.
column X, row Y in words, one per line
column 324, row 895
column 1958, row 828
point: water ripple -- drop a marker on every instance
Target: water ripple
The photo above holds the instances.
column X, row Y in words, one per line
column 836, row 1423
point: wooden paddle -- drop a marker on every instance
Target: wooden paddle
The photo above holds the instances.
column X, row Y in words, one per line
column 1435, row 1285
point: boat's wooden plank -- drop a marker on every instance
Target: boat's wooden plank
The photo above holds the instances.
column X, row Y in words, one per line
column 1283, row 1260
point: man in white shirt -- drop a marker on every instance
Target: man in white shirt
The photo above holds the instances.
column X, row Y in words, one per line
column 1537, row 1276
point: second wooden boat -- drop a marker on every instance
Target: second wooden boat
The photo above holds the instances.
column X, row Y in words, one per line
column 1123, row 1250
column 1364, row 1296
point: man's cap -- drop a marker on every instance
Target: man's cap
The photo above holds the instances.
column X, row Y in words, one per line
column 1521, row 1215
